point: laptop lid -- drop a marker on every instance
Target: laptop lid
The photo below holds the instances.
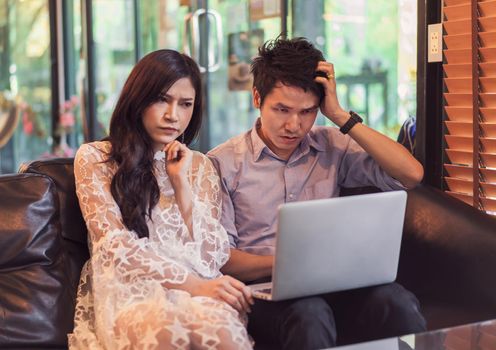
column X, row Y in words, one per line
column 335, row 244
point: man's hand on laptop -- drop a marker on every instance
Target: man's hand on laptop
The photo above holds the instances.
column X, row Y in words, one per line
column 248, row 267
column 227, row 289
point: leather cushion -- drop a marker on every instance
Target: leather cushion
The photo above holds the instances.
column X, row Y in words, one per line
column 61, row 171
column 36, row 307
column 448, row 250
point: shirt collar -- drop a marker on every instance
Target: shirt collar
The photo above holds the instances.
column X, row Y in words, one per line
column 258, row 145
column 314, row 143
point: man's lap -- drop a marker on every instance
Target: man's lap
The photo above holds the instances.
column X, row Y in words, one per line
column 344, row 312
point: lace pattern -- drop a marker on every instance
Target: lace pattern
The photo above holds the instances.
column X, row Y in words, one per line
column 122, row 300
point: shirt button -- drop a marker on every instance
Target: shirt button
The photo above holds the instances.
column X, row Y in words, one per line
column 291, row 196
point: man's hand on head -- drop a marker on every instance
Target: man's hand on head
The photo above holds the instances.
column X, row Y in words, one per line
column 330, row 106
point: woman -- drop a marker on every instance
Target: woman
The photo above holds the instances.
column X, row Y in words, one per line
column 152, row 209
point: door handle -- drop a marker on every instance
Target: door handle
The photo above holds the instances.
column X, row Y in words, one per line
column 213, row 61
column 192, row 41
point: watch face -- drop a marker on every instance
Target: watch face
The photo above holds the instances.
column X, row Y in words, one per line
column 354, row 118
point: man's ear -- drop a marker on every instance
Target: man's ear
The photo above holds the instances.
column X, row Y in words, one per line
column 256, row 98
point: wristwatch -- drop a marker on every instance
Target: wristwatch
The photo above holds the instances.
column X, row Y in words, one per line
column 354, row 118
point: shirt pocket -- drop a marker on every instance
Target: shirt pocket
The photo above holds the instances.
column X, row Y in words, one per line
column 320, row 190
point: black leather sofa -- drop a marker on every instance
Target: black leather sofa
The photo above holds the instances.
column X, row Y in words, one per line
column 448, row 256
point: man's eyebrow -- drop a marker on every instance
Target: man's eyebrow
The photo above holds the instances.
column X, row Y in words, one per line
column 311, row 107
column 282, row 105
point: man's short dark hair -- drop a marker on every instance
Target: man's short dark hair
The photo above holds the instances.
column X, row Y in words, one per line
column 291, row 62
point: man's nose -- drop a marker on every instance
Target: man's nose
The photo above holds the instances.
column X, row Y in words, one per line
column 293, row 123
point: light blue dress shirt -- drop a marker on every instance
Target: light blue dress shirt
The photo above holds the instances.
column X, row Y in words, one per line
column 254, row 181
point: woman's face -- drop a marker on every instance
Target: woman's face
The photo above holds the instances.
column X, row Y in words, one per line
column 166, row 119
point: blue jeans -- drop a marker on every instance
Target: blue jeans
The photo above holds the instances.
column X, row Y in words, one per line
column 328, row 320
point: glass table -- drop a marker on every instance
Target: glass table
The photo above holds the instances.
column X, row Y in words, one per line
column 474, row 336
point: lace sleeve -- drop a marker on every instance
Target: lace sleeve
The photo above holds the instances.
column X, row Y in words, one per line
column 115, row 250
column 207, row 229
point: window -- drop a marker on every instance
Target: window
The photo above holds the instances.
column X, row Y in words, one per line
column 373, row 45
column 25, row 83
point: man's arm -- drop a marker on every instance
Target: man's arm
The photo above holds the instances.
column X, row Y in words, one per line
column 248, row 267
column 395, row 159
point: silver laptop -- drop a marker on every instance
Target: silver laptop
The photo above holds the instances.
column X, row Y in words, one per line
column 329, row 245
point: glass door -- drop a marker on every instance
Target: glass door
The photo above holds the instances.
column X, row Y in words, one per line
column 244, row 26
column 222, row 36
column 114, row 52
column 161, row 24
column 25, row 82
column 373, row 45
column 376, row 78
column 105, row 38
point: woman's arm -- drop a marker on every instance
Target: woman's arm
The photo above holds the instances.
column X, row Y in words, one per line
column 178, row 162
column 118, row 249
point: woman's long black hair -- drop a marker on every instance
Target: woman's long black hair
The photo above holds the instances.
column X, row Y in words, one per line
column 134, row 186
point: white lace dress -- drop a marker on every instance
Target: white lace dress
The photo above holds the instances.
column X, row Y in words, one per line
column 122, row 302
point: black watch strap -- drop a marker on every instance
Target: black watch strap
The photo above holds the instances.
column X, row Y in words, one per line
column 354, row 118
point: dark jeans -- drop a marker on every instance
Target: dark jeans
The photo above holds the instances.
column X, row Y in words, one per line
column 324, row 321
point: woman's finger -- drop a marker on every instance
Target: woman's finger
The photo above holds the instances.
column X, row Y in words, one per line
column 248, row 295
column 243, row 289
column 168, row 146
column 238, row 295
column 231, row 300
column 173, row 150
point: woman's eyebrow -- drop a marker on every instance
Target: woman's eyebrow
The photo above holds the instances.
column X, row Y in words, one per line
column 166, row 95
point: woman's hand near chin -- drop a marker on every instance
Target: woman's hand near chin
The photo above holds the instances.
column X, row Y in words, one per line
column 178, row 160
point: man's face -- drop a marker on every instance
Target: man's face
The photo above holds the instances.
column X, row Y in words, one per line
column 287, row 115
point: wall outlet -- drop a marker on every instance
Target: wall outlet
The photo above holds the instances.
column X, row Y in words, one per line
column 435, row 42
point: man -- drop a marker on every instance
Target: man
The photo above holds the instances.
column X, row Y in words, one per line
column 285, row 158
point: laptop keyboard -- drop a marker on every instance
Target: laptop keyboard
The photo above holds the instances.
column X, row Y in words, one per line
column 265, row 290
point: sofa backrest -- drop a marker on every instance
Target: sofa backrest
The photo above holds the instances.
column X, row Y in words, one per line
column 36, row 301
column 74, row 233
column 61, row 171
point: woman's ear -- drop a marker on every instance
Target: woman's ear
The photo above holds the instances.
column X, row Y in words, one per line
column 256, row 98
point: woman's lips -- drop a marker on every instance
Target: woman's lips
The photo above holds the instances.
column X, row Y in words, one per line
column 169, row 130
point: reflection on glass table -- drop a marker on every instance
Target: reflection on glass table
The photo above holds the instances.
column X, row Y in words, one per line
column 474, row 336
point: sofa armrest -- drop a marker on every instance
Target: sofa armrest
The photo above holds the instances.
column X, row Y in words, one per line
column 36, row 302
column 448, row 250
